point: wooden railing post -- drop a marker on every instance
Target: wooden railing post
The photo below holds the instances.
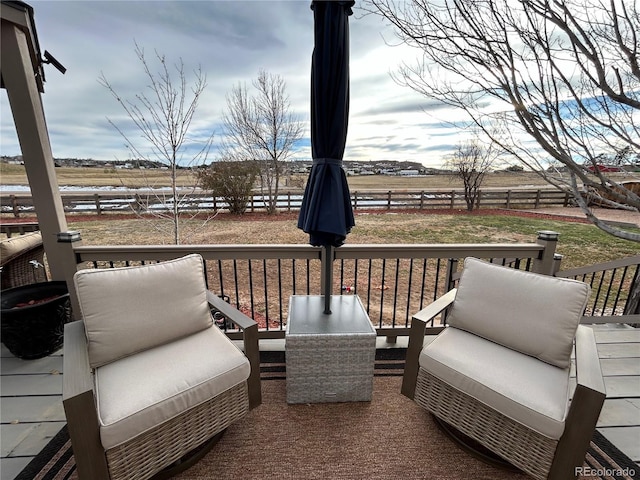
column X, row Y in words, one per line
column 537, row 204
column 545, row 262
column 67, row 242
column 14, row 206
column 96, row 198
column 557, row 260
column 137, row 203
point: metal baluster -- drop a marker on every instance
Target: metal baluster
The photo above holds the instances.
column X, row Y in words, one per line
column 235, row 279
column 266, row 294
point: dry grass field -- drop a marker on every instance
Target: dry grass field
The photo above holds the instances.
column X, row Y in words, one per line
column 580, row 243
column 87, row 177
column 444, row 182
column 95, row 177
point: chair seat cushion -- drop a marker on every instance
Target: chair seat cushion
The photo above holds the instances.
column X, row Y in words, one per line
column 137, row 393
column 520, row 387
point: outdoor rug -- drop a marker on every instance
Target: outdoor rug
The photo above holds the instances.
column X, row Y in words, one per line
column 387, row 438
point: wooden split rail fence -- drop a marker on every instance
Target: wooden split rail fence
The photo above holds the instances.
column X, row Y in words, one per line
column 99, row 203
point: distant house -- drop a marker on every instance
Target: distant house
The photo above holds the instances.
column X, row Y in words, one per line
column 605, row 168
column 408, row 173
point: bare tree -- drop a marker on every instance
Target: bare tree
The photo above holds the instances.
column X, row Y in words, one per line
column 555, row 83
column 471, row 162
column 163, row 115
column 263, row 128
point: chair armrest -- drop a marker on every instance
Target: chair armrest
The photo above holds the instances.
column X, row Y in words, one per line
column 584, row 410
column 236, row 316
column 77, row 377
column 588, row 370
column 79, row 404
column 250, row 339
column 433, row 309
column 416, row 340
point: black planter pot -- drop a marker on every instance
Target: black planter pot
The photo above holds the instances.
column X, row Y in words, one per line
column 35, row 331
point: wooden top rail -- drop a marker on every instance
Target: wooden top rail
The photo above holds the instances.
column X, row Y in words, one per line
column 238, row 252
column 453, row 250
column 208, row 252
column 620, row 263
column 594, row 320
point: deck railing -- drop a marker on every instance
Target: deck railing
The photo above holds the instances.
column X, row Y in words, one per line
column 20, row 228
column 615, row 290
column 393, row 281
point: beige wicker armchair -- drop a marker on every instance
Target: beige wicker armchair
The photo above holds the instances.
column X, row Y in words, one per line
column 148, row 377
column 22, row 260
column 499, row 372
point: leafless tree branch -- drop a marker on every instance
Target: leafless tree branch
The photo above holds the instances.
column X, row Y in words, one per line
column 263, row 128
column 163, row 115
column 563, row 73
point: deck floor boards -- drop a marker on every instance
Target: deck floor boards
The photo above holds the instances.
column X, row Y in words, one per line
column 31, row 402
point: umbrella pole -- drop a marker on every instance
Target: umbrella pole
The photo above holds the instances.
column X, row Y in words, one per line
column 327, row 272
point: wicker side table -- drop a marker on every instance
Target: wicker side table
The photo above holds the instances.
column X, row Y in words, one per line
column 329, row 358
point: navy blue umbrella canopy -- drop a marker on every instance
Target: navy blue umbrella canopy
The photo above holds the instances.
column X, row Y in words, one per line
column 326, row 213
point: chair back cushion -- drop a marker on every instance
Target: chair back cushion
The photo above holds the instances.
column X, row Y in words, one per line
column 131, row 309
column 14, row 246
column 534, row 314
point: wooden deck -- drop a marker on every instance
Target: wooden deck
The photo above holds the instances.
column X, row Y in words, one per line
column 619, row 351
column 31, row 395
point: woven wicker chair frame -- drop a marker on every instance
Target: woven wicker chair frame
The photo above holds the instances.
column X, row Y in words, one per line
column 528, row 450
column 17, row 270
column 535, row 454
column 151, row 452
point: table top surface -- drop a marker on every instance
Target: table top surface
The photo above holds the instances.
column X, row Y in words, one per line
column 307, row 317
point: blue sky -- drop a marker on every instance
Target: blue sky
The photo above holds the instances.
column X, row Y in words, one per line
column 231, row 41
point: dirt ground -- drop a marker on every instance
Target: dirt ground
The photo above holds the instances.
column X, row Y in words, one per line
column 573, row 214
column 607, row 214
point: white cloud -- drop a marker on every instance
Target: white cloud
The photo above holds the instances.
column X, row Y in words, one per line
column 231, row 40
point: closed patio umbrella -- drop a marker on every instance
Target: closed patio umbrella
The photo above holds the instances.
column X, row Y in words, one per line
column 326, row 213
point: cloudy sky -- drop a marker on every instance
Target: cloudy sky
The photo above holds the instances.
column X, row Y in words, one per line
column 231, row 41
